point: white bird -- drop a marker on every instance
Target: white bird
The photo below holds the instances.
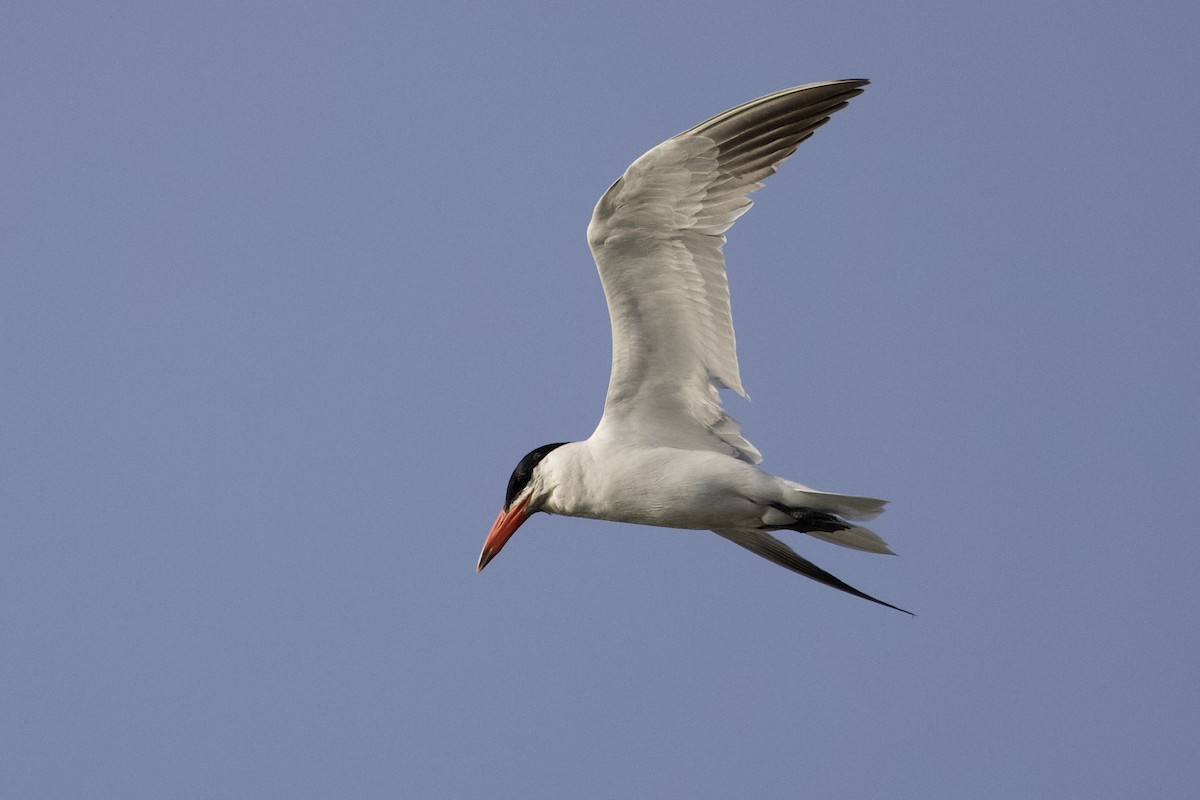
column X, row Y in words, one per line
column 665, row 452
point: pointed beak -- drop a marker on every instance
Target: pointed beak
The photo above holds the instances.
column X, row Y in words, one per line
column 502, row 530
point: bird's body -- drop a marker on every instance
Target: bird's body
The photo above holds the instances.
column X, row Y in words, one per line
column 665, row 453
column 674, row 488
column 661, row 486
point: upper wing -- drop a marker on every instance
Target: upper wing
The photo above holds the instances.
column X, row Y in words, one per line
column 657, row 234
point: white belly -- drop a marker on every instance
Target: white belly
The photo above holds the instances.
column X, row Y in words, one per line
column 670, row 488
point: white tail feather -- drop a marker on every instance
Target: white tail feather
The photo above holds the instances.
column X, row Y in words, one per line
column 844, row 505
column 856, row 537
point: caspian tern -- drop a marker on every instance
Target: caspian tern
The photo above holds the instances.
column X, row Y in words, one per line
column 665, row 452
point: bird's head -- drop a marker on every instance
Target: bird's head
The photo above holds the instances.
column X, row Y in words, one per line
column 524, row 498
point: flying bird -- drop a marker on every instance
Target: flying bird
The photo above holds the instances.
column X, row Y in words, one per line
column 665, row 453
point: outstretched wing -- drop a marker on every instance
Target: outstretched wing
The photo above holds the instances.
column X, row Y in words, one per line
column 657, row 234
column 770, row 548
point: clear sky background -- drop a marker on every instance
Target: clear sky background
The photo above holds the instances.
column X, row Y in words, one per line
column 287, row 289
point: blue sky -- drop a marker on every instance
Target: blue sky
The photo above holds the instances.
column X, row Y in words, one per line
column 287, row 290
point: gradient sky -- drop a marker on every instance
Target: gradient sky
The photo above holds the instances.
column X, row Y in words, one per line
column 287, row 289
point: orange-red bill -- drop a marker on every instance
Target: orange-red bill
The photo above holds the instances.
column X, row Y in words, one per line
column 502, row 530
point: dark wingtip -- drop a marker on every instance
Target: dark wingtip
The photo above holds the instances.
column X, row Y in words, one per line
column 824, row 577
